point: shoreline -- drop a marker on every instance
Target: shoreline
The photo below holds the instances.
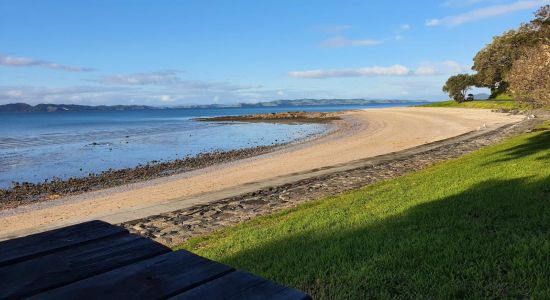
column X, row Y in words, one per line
column 27, row 193
column 175, row 227
column 290, row 117
column 365, row 134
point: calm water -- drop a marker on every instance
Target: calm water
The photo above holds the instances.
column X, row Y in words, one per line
column 38, row 146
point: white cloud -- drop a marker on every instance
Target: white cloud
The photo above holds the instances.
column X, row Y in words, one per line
column 427, row 68
column 426, row 71
column 486, row 12
column 430, row 68
column 168, row 79
column 166, row 98
column 399, row 33
column 154, row 96
column 455, row 67
column 75, row 94
column 155, row 88
column 345, row 42
column 161, row 77
column 433, row 22
column 394, row 70
column 19, row 61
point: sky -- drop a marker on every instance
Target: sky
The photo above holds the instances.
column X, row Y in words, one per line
column 167, row 53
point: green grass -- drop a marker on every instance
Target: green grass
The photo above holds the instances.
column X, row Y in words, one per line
column 476, row 227
column 488, row 104
column 504, row 97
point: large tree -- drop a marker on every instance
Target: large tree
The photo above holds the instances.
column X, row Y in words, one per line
column 541, row 24
column 529, row 77
column 495, row 60
column 458, row 85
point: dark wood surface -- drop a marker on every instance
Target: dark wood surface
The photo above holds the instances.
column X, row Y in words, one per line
column 67, row 266
column 96, row 260
column 41, row 243
column 240, row 285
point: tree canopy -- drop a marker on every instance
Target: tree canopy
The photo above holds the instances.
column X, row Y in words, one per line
column 529, row 77
column 496, row 59
column 507, row 53
column 458, row 85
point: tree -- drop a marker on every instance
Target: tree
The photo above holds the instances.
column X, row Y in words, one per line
column 496, row 59
column 529, row 77
column 458, row 85
column 541, row 24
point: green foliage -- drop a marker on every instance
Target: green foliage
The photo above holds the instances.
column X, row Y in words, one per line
column 487, row 104
column 541, row 24
column 496, row 59
column 458, row 85
column 529, row 77
column 475, row 227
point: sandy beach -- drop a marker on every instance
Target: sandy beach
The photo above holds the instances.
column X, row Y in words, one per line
column 361, row 134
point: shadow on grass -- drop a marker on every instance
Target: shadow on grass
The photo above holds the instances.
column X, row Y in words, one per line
column 534, row 145
column 492, row 240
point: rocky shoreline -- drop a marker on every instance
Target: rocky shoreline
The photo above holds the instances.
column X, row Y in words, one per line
column 27, row 193
column 178, row 226
column 23, row 193
column 291, row 117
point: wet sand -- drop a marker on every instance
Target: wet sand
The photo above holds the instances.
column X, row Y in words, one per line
column 361, row 134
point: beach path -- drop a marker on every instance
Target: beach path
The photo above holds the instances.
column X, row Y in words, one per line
column 361, row 134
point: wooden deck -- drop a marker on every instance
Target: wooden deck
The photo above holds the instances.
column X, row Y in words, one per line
column 97, row 260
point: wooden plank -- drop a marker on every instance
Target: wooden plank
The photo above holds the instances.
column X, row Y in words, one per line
column 50, row 271
column 240, row 285
column 269, row 290
column 156, row 278
column 27, row 247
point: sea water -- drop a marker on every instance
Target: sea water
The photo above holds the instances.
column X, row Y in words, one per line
column 39, row 146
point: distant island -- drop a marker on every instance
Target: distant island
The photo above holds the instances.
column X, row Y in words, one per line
column 304, row 102
column 23, row 107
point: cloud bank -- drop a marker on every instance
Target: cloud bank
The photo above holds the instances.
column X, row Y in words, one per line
column 395, row 70
column 153, row 88
column 19, row 61
column 161, row 77
column 425, row 69
column 486, row 12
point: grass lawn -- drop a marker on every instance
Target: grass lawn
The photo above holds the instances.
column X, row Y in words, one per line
column 476, row 227
column 488, row 104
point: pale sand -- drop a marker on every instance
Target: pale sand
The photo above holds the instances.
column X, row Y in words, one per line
column 375, row 132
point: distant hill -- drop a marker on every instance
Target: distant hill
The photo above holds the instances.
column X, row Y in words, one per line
column 23, row 107
column 481, row 96
column 314, row 102
column 303, row 102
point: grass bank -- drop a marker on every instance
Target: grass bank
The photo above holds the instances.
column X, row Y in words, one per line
column 473, row 227
column 488, row 104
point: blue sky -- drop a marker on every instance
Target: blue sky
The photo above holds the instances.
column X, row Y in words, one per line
column 197, row 52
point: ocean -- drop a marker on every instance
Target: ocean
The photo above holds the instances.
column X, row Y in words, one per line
column 39, row 146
